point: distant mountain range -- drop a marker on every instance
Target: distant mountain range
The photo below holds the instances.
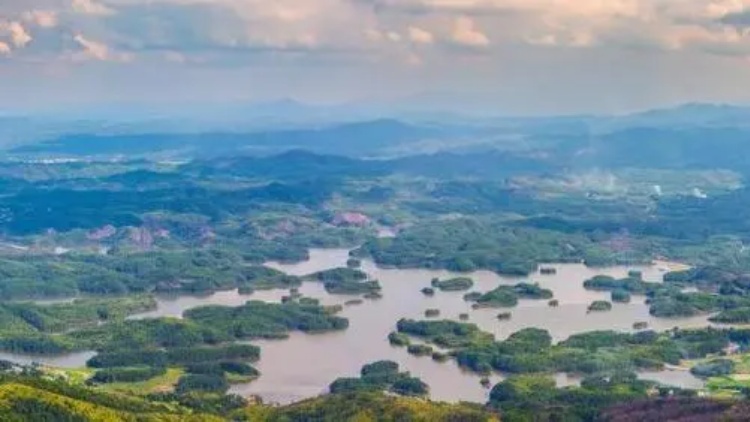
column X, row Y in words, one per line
column 360, row 138
column 689, row 136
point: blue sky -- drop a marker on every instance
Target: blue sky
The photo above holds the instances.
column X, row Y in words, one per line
column 514, row 56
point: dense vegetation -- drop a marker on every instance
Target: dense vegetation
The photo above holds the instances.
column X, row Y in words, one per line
column 619, row 397
column 263, row 320
column 112, row 375
column 446, row 333
column 38, row 329
column 115, row 233
column 453, row 285
column 371, row 406
column 28, row 396
column 76, row 327
column 193, row 271
column 535, row 397
column 346, row 281
column 508, row 296
column 381, row 376
column 470, row 244
column 532, row 351
column 30, row 317
column 724, row 292
column 600, row 306
column 713, row 368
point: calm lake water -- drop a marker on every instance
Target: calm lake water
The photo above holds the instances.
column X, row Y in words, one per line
column 70, row 360
column 304, row 365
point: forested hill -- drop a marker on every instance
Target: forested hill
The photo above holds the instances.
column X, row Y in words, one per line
column 28, row 397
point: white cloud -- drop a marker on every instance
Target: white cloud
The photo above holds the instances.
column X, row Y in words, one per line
column 91, row 7
column 420, row 36
column 98, row 51
column 19, row 35
column 466, row 33
column 92, row 49
column 16, row 32
column 690, row 25
column 586, row 39
column 219, row 29
column 42, row 18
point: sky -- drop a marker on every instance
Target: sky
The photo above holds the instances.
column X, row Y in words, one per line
column 510, row 56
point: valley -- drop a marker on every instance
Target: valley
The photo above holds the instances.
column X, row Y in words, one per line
column 514, row 280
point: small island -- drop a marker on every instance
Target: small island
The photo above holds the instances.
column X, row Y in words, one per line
column 508, row 296
column 440, row 357
column 502, row 297
column 600, row 306
column 381, row 376
column 374, row 295
column 419, row 349
column 398, row 339
column 548, row 271
column 640, row 325
column 454, row 284
column 620, row 296
column 732, row 316
column 346, row 281
column 472, row 297
column 432, row 313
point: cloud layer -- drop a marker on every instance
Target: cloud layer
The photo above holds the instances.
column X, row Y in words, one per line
column 195, row 27
column 389, row 34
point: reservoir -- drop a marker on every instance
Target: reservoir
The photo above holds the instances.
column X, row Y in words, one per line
column 303, row 365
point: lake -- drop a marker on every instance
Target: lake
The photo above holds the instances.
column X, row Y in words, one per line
column 304, row 365
column 68, row 360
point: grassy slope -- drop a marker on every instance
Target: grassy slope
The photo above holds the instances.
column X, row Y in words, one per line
column 19, row 402
column 366, row 407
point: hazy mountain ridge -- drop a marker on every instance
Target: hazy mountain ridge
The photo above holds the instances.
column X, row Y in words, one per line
column 347, row 139
column 690, row 136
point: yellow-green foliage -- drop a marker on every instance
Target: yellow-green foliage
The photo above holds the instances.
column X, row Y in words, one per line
column 733, row 385
column 20, row 403
column 160, row 384
column 31, row 398
column 369, row 407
